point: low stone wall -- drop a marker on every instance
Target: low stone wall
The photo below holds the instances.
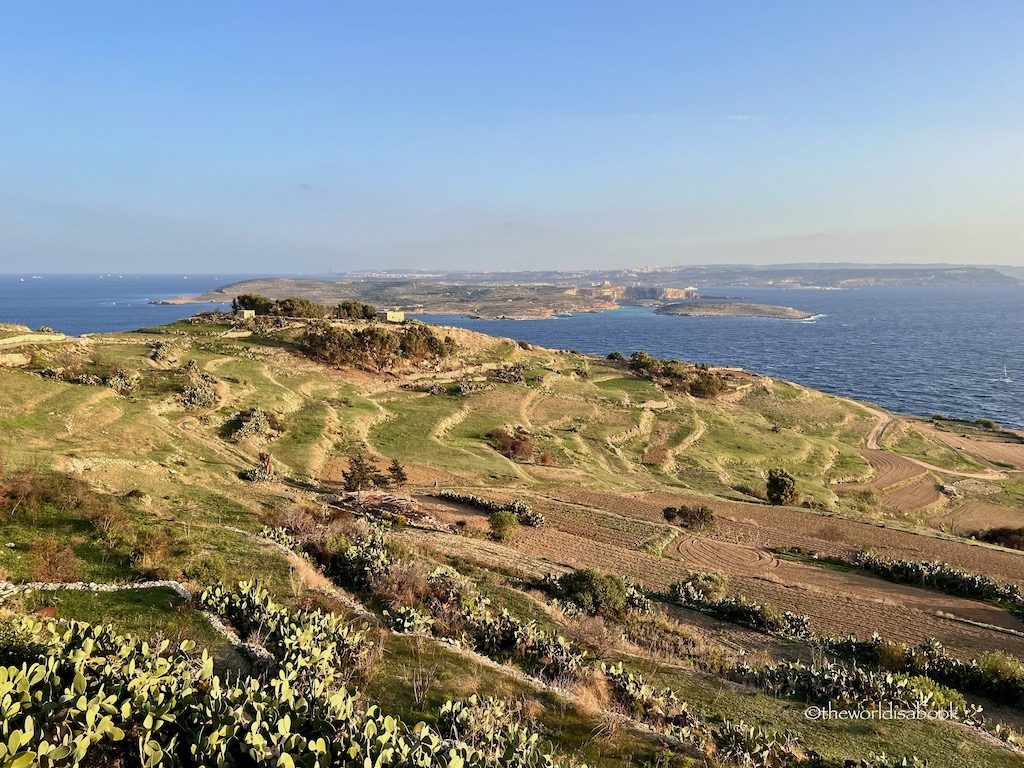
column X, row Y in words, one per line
column 15, row 359
column 30, row 338
column 7, row 588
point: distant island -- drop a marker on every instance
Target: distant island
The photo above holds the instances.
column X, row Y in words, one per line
column 502, row 300
column 537, row 294
column 731, row 309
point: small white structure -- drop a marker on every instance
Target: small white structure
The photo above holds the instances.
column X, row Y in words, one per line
column 391, row 316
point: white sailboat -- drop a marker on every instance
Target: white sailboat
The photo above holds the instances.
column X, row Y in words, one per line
column 1006, row 376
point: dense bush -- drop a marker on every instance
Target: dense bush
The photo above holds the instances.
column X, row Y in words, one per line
column 419, row 342
column 700, row 587
column 606, row 595
column 503, row 524
column 691, row 517
column 595, row 593
column 853, row 687
column 514, row 443
column 698, row 380
column 259, row 304
column 373, row 348
column 704, row 592
column 996, row 675
column 53, row 560
column 727, row 742
column 942, row 577
column 1012, row 538
column 355, row 310
column 296, row 306
column 705, row 383
column 780, row 487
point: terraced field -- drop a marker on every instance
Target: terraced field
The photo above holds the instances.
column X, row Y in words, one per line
column 610, row 450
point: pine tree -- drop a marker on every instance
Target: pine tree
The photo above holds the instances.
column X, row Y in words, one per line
column 362, row 474
column 397, row 473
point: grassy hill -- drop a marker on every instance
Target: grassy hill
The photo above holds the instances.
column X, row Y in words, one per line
column 126, row 458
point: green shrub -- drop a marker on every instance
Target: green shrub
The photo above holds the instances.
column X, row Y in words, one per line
column 781, row 487
column 207, row 569
column 503, row 525
column 595, row 593
column 699, row 586
column 1002, row 667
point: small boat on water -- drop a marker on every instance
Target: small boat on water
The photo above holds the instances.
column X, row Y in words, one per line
column 1006, row 376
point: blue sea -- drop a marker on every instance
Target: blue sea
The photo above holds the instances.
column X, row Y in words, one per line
column 913, row 350
column 77, row 304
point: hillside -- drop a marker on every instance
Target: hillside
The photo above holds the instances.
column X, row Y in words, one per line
column 168, row 461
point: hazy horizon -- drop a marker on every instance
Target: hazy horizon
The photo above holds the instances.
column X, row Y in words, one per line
column 508, row 136
column 427, row 269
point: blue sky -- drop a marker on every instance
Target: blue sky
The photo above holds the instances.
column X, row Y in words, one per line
column 288, row 137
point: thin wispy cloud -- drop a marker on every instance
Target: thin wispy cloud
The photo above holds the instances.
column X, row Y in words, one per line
column 747, row 118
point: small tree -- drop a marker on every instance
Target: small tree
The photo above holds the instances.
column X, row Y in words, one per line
column 670, row 513
column 781, row 487
column 362, row 474
column 397, row 473
column 503, row 525
column 695, row 517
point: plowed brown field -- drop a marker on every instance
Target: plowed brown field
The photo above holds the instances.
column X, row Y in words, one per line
column 902, row 485
column 978, row 515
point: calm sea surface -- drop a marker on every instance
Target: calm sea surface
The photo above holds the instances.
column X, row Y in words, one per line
column 77, row 304
column 915, row 350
